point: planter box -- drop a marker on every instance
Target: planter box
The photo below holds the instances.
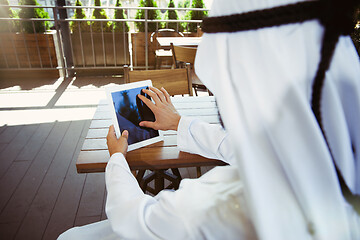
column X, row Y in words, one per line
column 100, row 50
column 19, row 50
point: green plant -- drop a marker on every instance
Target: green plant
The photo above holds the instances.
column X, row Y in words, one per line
column 152, row 14
column 119, row 14
column 6, row 12
column 172, row 14
column 184, row 4
column 79, row 14
column 100, row 14
column 28, row 26
column 196, row 15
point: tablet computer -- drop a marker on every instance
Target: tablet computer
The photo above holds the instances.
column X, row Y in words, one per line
column 128, row 111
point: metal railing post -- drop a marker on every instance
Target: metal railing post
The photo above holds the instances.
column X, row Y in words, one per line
column 65, row 30
column 61, row 50
column 146, row 41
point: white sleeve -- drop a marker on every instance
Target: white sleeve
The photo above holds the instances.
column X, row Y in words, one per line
column 208, row 140
column 132, row 213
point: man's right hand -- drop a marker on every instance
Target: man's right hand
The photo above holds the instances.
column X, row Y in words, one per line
column 166, row 116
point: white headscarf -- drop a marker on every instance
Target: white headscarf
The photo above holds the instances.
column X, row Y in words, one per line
column 262, row 80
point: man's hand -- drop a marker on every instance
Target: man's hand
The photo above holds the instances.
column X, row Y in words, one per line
column 117, row 145
column 166, row 116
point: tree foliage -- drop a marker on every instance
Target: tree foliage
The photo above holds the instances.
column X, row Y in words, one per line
column 172, row 14
column 79, row 14
column 119, row 14
column 196, row 15
column 28, row 26
column 152, row 14
column 100, row 14
column 6, row 12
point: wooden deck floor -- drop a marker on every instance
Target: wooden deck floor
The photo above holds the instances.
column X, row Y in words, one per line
column 43, row 124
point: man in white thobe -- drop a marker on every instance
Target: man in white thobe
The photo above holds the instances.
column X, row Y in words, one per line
column 282, row 182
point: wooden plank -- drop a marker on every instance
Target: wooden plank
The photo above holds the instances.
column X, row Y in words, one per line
column 97, row 133
column 2, row 128
column 101, row 123
column 3, row 146
column 145, row 158
column 9, row 133
column 35, row 143
column 100, row 144
column 10, row 181
column 91, row 203
column 38, row 215
column 7, row 229
column 183, row 112
column 66, row 206
column 22, row 198
column 195, row 105
column 9, row 154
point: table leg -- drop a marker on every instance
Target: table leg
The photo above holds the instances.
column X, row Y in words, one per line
column 159, row 180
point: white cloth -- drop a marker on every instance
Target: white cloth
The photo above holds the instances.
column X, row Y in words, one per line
column 211, row 207
column 263, row 81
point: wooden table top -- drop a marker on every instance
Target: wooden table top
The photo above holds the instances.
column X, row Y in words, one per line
column 94, row 155
column 179, row 41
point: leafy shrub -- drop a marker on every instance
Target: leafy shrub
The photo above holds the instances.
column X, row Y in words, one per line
column 27, row 26
column 152, row 14
column 196, row 15
column 79, row 14
column 100, row 14
column 119, row 14
column 6, row 12
column 184, row 4
column 172, row 14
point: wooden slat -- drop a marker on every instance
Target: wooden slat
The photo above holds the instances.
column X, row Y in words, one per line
column 201, row 110
column 12, row 150
column 10, row 181
column 38, row 215
column 91, row 203
column 22, row 198
column 9, row 133
column 3, row 146
column 67, row 203
column 100, row 143
column 31, row 149
column 178, row 83
column 149, row 158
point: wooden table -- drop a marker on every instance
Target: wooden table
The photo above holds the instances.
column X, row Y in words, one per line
column 157, row 157
column 164, row 42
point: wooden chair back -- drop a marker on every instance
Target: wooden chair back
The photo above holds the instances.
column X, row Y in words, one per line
column 183, row 54
column 175, row 81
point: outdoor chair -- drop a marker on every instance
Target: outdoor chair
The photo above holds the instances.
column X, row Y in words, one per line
column 175, row 81
column 182, row 55
column 162, row 54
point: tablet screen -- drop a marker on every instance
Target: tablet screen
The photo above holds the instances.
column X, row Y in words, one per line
column 128, row 111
